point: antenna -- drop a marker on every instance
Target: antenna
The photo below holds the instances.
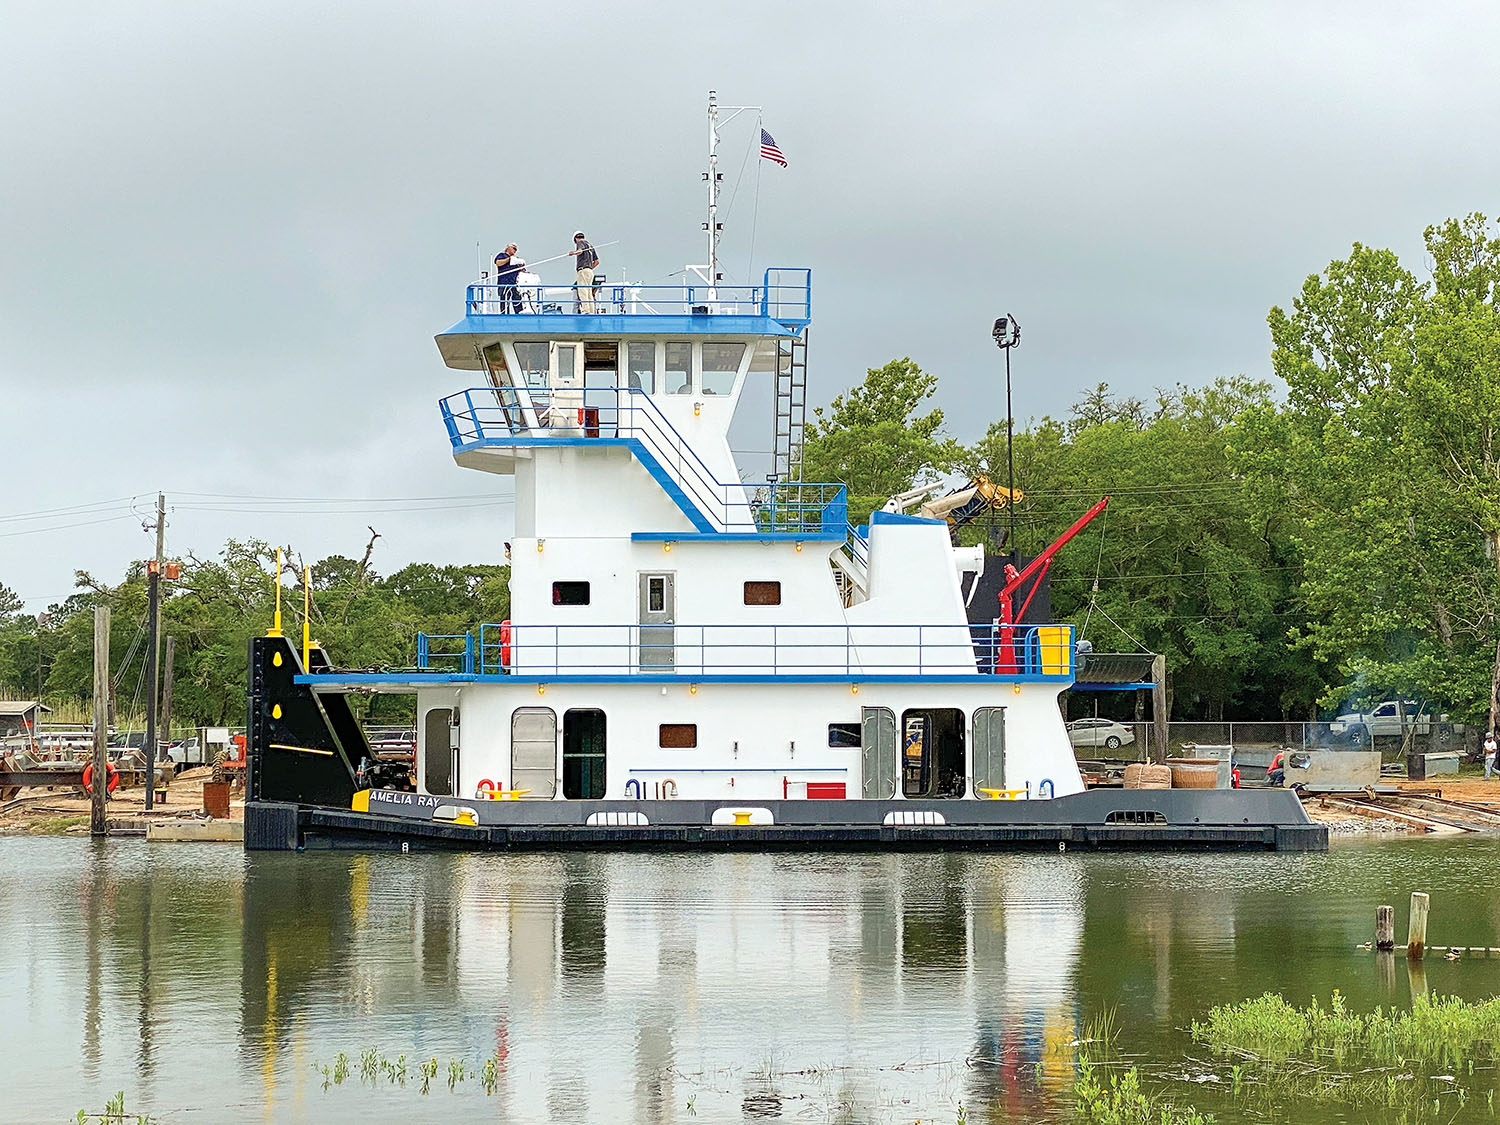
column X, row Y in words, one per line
column 713, row 193
column 713, row 176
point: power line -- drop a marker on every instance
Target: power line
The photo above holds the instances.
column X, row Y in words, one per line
column 66, row 526
column 70, row 510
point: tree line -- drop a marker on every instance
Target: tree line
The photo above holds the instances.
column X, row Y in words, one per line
column 1332, row 538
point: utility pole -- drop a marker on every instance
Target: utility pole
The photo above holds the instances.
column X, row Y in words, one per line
column 153, row 628
column 97, row 825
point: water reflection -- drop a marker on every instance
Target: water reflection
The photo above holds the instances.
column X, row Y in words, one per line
column 626, row 987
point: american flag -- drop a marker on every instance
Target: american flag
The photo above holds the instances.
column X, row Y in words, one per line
column 768, row 149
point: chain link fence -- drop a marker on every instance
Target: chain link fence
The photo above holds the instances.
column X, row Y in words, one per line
column 1251, row 742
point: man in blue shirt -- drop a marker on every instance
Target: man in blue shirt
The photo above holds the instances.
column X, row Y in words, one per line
column 508, row 267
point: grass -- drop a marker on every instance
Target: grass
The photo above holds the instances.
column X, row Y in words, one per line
column 1439, row 1031
column 56, row 825
column 114, row 1114
column 1103, row 1095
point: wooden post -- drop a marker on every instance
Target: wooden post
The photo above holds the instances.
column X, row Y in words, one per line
column 97, row 825
column 168, row 659
column 1416, row 926
column 1159, row 705
column 1385, row 927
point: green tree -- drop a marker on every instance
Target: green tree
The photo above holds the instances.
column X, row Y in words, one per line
column 1383, row 468
column 1177, row 563
column 874, row 440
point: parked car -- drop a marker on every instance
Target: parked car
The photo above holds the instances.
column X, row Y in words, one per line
column 1382, row 722
column 1100, row 732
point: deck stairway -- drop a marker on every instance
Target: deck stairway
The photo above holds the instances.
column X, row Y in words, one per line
column 507, row 417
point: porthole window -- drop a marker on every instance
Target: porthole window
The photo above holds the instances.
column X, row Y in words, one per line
column 762, row 593
column 570, row 593
column 679, row 736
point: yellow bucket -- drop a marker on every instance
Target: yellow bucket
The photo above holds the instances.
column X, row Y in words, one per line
column 1056, row 645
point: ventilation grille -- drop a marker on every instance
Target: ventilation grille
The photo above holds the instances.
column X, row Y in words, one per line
column 1135, row 816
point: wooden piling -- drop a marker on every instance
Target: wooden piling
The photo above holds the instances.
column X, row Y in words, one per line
column 1416, row 926
column 1385, row 927
column 98, row 825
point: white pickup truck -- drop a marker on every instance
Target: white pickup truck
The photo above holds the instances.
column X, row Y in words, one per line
column 1383, row 722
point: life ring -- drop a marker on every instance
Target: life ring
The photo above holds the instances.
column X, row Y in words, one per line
column 505, row 644
column 111, row 778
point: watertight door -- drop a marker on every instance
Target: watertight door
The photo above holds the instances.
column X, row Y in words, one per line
column 657, row 617
column 533, row 751
column 989, row 748
column 878, row 739
column 437, row 752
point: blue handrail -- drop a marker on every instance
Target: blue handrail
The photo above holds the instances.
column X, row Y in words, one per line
column 785, row 648
column 785, row 295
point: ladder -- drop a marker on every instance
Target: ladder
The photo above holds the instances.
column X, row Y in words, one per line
column 791, row 407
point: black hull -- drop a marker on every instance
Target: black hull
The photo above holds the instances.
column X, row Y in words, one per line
column 857, row 826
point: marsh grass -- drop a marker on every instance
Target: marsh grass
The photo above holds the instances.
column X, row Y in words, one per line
column 1105, row 1092
column 114, row 1114
column 1414, row 1063
column 56, row 825
column 1438, row 1032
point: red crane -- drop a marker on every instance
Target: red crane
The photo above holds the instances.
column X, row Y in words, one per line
column 1015, row 579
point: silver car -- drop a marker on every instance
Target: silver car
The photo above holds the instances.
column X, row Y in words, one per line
column 1100, row 732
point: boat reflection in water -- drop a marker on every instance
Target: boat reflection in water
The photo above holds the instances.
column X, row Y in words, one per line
column 868, row 987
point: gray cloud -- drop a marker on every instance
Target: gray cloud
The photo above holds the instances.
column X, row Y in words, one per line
column 239, row 225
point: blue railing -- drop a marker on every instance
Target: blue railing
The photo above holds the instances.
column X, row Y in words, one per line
column 446, row 661
column 498, row 416
column 785, row 295
column 1043, row 652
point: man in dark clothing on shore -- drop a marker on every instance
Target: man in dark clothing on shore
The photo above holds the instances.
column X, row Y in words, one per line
column 508, row 267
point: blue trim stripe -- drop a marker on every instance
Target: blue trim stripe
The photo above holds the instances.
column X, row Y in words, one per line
column 571, row 324
column 737, row 537
column 901, row 517
column 429, row 679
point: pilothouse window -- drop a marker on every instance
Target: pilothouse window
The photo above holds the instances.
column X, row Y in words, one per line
column 534, row 358
column 721, row 363
column 678, row 372
column 642, row 367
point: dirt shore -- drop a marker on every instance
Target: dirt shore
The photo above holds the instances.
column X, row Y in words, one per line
column 60, row 811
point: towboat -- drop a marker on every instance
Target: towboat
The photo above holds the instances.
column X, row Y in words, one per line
column 696, row 661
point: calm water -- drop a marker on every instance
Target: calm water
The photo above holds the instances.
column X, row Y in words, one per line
column 207, row 983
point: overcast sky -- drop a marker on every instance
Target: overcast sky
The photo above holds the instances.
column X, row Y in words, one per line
column 229, row 231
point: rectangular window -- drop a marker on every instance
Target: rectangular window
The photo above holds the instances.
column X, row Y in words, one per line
column 570, row 593
column 642, row 367
column 677, row 375
column 534, row 360
column 721, row 363
column 844, row 734
column 656, row 594
column 762, row 593
column 679, row 736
